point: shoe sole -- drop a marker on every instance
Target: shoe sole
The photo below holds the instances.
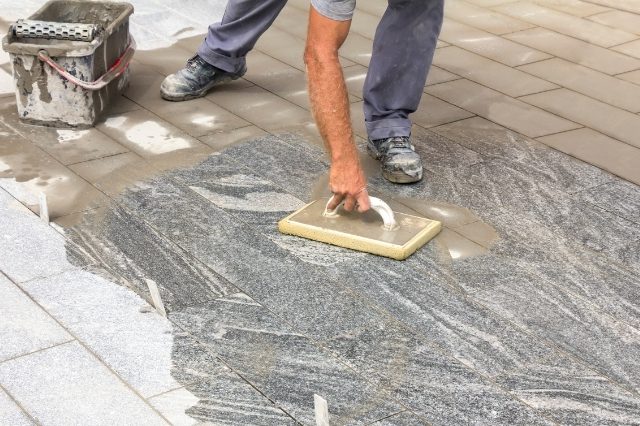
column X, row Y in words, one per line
column 195, row 95
column 397, row 177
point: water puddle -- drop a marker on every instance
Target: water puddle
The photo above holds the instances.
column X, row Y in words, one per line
column 464, row 234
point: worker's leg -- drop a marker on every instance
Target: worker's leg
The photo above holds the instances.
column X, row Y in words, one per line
column 403, row 49
column 229, row 41
column 221, row 57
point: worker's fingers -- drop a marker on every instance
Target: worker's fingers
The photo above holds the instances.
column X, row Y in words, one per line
column 363, row 201
column 335, row 201
column 349, row 203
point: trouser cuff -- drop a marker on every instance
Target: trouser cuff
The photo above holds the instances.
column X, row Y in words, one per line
column 388, row 128
column 225, row 63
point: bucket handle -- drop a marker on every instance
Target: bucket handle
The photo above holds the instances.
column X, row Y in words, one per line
column 116, row 70
column 382, row 208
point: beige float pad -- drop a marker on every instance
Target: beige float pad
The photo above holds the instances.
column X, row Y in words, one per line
column 361, row 231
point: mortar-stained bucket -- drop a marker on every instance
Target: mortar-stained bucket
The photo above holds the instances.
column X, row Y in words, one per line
column 70, row 61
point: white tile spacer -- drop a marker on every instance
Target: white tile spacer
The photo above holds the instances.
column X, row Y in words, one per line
column 155, row 297
column 322, row 410
column 44, row 208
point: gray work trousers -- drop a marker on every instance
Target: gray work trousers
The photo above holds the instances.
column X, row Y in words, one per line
column 403, row 49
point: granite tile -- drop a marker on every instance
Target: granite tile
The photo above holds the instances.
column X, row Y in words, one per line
column 357, row 49
column 293, row 21
column 574, row 50
column 573, row 7
column 286, row 48
column 68, row 146
column 627, row 5
column 133, row 340
column 632, row 48
column 571, row 394
column 437, row 75
column 287, row 286
column 435, row 112
column 283, row 365
column 27, row 171
column 573, row 26
column 294, row 167
column 130, row 249
column 491, row 140
column 438, row 151
column 626, row 21
column 31, row 249
column 406, row 418
column 488, row 45
column 438, row 388
column 558, row 259
column 261, row 107
column 504, row 110
column 365, row 24
column 609, row 154
column 197, row 117
column 610, row 90
column 72, row 386
column 421, row 293
column 619, row 197
column 225, row 399
column 26, row 327
column 222, row 140
column 11, row 413
column 632, row 76
column 483, row 18
column 492, row 74
column 609, row 346
column 605, row 118
column 143, row 133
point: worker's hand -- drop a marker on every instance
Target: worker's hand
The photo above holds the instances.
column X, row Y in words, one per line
column 348, row 182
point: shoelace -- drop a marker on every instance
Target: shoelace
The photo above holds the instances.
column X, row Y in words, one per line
column 399, row 143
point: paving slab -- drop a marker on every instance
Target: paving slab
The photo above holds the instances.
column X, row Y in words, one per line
column 597, row 115
column 571, row 324
column 148, row 258
column 405, row 418
column 130, row 337
column 285, row 366
column 570, row 394
column 626, row 21
column 504, row 110
column 31, row 249
column 430, row 384
column 620, row 197
column 11, row 413
column 26, row 327
column 66, row 384
column 582, row 29
column 574, row 50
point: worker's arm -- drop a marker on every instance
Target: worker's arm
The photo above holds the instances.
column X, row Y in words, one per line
column 330, row 105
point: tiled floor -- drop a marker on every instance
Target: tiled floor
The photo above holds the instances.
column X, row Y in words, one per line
column 525, row 309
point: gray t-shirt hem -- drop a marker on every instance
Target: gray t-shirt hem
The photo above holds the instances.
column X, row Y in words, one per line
column 338, row 10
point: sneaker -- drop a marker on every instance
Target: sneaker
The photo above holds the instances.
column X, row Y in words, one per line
column 195, row 80
column 400, row 162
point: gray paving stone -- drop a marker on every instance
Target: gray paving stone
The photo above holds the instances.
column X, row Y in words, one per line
column 138, row 346
column 422, row 298
column 130, row 249
column 25, row 327
column 296, row 291
column 283, row 365
column 67, row 385
column 225, row 399
column 29, row 248
column 619, row 197
column 10, row 413
column 571, row 394
column 436, row 386
column 491, row 141
column 544, row 256
column 405, row 418
column 437, row 151
column 609, row 346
